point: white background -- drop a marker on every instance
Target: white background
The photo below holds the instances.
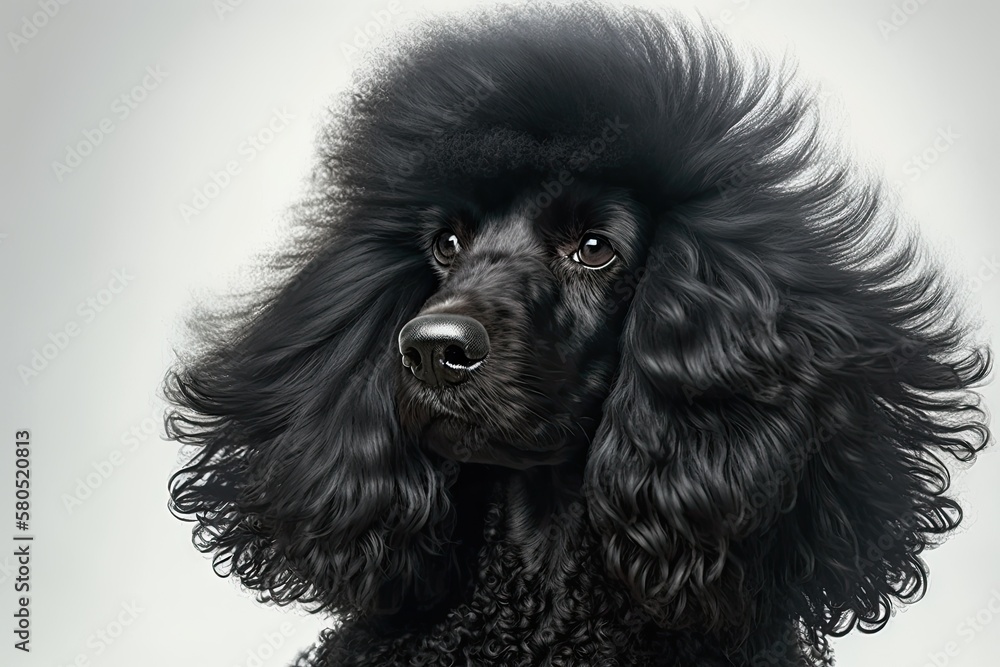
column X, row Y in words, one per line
column 891, row 81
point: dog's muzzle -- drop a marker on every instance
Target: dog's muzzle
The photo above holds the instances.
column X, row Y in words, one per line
column 443, row 349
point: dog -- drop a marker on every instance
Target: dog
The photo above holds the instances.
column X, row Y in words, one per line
column 589, row 351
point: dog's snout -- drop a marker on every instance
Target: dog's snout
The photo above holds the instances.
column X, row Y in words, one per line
column 443, row 348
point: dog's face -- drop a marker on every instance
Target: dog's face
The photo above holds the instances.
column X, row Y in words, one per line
column 510, row 359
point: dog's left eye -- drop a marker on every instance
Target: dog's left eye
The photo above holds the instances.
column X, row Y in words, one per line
column 594, row 252
column 446, row 247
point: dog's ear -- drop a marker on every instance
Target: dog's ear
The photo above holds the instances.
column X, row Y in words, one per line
column 790, row 380
column 302, row 484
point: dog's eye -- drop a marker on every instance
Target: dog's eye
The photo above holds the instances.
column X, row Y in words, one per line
column 594, row 252
column 446, row 247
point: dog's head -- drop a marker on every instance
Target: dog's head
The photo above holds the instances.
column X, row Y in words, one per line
column 585, row 235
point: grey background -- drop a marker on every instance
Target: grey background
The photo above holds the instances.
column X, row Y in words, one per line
column 890, row 88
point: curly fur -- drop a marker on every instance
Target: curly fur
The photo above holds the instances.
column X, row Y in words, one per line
column 725, row 448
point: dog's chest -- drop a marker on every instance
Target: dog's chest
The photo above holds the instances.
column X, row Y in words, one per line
column 535, row 601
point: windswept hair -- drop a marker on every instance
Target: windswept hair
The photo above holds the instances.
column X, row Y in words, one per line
column 793, row 376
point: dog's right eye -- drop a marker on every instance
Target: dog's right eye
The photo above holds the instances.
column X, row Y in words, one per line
column 446, row 247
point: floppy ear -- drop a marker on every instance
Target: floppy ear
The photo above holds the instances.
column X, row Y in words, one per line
column 790, row 379
column 302, row 484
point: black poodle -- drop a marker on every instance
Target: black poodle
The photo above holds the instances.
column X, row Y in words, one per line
column 588, row 354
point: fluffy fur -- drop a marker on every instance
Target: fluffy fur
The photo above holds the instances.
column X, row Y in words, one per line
column 721, row 449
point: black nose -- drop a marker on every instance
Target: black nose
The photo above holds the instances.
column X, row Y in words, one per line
column 442, row 348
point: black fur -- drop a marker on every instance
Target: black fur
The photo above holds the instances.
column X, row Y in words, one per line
column 721, row 449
